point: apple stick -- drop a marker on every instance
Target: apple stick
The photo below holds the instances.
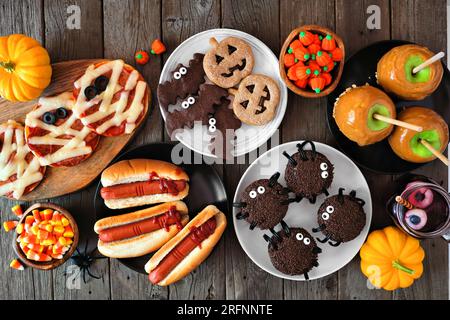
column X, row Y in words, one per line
column 399, row 123
column 438, row 155
column 433, row 59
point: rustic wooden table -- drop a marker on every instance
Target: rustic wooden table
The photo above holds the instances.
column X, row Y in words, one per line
column 116, row 29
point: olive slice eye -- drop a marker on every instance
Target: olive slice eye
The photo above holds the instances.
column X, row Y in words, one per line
column 61, row 113
column 90, row 92
column 49, row 118
column 231, row 49
column 101, row 83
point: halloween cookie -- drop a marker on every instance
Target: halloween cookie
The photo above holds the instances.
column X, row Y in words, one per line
column 186, row 80
column 308, row 172
column 222, row 126
column 293, row 251
column 264, row 203
column 228, row 61
column 256, row 100
column 195, row 108
column 341, row 218
column 55, row 135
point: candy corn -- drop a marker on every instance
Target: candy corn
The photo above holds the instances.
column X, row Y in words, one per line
column 15, row 264
column 20, row 228
column 68, row 232
column 17, row 210
column 9, row 225
column 32, row 255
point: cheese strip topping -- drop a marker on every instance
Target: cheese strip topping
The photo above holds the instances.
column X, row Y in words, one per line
column 74, row 147
column 108, row 108
column 12, row 161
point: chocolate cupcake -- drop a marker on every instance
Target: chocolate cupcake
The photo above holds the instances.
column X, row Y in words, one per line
column 308, row 172
column 293, row 251
column 341, row 218
column 264, row 203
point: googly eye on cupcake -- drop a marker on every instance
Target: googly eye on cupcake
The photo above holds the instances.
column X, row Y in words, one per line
column 264, row 203
column 293, row 251
column 341, row 218
column 308, row 172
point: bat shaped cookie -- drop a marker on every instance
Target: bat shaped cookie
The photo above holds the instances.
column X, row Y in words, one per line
column 222, row 120
column 195, row 108
column 185, row 81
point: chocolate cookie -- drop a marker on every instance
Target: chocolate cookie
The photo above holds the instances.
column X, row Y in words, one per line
column 293, row 251
column 256, row 101
column 195, row 108
column 264, row 203
column 185, row 81
column 222, row 126
column 308, row 172
column 228, row 62
column 341, row 218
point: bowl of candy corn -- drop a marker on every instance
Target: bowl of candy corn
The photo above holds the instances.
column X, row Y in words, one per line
column 47, row 235
column 312, row 61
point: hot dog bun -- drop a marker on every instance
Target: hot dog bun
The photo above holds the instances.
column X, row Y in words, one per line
column 129, row 171
column 196, row 256
column 145, row 243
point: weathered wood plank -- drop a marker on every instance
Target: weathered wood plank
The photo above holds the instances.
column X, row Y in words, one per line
column 20, row 17
column 135, row 23
column 180, row 20
column 306, row 119
column 411, row 20
column 65, row 44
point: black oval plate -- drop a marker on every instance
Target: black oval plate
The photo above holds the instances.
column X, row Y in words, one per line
column 205, row 187
column 360, row 69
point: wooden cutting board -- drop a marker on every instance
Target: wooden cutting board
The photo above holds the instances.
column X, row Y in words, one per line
column 61, row 181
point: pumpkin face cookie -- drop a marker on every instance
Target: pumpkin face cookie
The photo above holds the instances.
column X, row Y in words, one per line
column 256, row 100
column 228, row 62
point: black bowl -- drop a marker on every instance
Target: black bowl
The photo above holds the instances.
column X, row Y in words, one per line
column 359, row 70
column 205, row 187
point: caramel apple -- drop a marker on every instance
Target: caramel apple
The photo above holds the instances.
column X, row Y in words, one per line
column 395, row 72
column 407, row 144
column 354, row 112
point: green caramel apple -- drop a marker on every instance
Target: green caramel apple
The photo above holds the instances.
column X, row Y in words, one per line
column 422, row 76
column 431, row 136
column 374, row 124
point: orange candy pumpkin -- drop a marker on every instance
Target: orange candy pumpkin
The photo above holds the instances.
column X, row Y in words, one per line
column 328, row 43
column 303, row 72
column 306, row 38
column 317, row 84
column 323, row 58
column 336, row 54
column 302, row 54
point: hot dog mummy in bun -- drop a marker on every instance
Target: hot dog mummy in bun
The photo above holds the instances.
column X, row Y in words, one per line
column 188, row 249
column 132, row 183
column 138, row 233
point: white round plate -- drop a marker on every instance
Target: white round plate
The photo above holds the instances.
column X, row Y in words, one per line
column 303, row 214
column 248, row 138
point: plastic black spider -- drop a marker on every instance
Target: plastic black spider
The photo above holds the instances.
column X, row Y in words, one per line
column 84, row 260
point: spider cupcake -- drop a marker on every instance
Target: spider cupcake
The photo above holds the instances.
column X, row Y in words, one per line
column 341, row 218
column 308, row 172
column 264, row 203
column 293, row 251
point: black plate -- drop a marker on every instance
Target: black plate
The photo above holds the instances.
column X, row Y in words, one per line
column 360, row 69
column 205, row 187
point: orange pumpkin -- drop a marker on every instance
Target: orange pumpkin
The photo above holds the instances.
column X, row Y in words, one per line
column 25, row 69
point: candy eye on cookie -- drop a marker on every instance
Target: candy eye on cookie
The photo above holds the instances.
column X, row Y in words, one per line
column 212, row 125
column 181, row 72
column 324, row 168
column 299, row 236
column 188, row 102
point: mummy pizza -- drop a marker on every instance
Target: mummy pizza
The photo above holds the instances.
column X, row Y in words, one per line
column 256, row 100
column 341, row 218
column 195, row 108
column 264, row 203
column 186, row 81
column 111, row 98
column 222, row 126
column 55, row 135
column 308, row 172
column 20, row 170
column 293, row 251
column 228, row 61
